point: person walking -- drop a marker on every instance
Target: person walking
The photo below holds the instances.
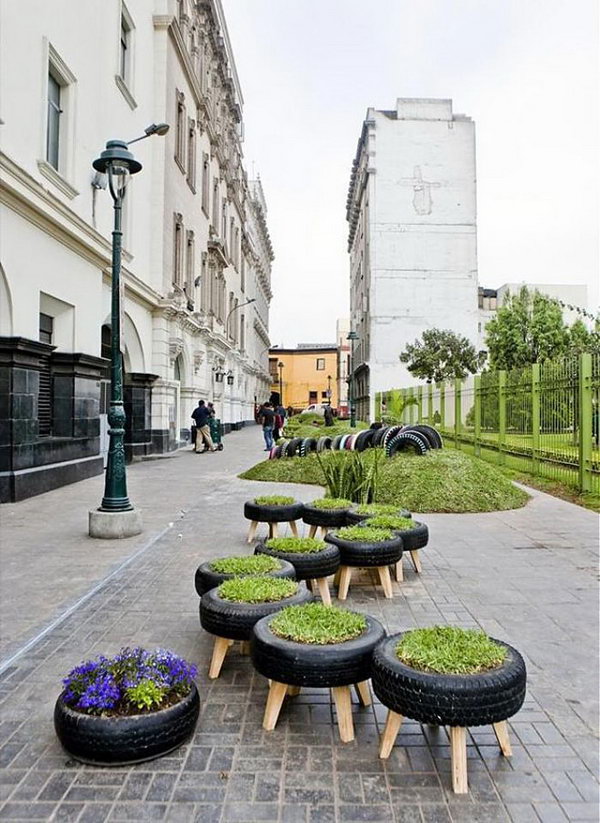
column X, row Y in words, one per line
column 267, row 418
column 201, row 416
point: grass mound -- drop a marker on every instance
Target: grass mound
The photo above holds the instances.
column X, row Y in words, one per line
column 364, row 534
column 444, row 480
column 296, row 545
column 274, row 500
column 450, row 650
column 375, row 509
column 246, row 564
column 330, row 503
column 389, row 521
column 257, row 589
column 313, row 425
column 318, row 624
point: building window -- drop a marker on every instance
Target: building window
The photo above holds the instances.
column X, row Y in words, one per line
column 189, row 265
column 320, row 363
column 243, row 272
column 205, row 183
column 224, row 224
column 46, row 328
column 312, row 397
column 324, row 395
column 204, row 285
column 215, row 214
column 125, row 47
column 191, row 155
column 178, row 251
column 242, row 333
column 273, row 369
column 53, row 128
column 232, row 239
column 180, row 130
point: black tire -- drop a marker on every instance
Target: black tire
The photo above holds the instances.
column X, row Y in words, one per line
column 323, row 443
column 308, row 445
column 293, row 446
column 366, row 554
column 272, row 514
column 278, row 451
column 353, row 517
column 428, row 432
column 119, row 741
column 364, row 440
column 307, row 565
column 328, row 518
column 415, row 538
column 449, row 699
column 407, row 441
column 335, row 443
column 390, row 432
column 303, row 664
column 236, row 620
column 206, row 579
column 378, row 436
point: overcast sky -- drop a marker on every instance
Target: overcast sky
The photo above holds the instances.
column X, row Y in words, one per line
column 525, row 70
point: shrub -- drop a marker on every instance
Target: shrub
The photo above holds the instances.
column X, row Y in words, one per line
column 296, row 545
column 318, row 624
column 247, row 564
column 331, row 503
column 273, row 500
column 390, row 521
column 364, row 534
column 257, row 589
column 449, row 650
column 352, row 476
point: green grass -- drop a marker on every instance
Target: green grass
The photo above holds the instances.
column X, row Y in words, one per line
column 450, row 650
column 375, row 509
column 273, row 500
column 389, row 521
column 318, row 624
column 309, row 425
column 444, row 480
column 330, row 503
column 296, row 545
column 246, row 564
column 257, row 589
column 364, row 534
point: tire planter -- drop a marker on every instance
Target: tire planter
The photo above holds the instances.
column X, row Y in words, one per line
column 364, row 440
column 406, row 441
column 293, row 446
column 429, row 433
column 390, row 431
column 307, row 565
column 412, row 540
column 263, row 513
column 378, row 436
column 323, row 443
column 206, row 579
column 326, row 518
column 365, row 555
column 120, row 741
column 308, row 445
column 335, row 443
column 353, row 517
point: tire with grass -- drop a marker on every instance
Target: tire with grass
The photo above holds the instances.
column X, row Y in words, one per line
column 205, row 579
column 353, row 517
column 306, row 664
column 430, row 434
column 390, row 432
column 225, row 618
column 323, row 444
column 269, row 513
column 406, row 441
column 308, row 445
column 363, row 440
column 327, row 518
column 293, row 446
column 279, row 450
column 378, row 436
column 335, row 443
column 449, row 699
column 307, row 565
column 361, row 554
column 412, row 539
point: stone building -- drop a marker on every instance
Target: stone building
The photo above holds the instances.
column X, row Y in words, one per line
column 411, row 211
column 307, row 376
column 197, row 254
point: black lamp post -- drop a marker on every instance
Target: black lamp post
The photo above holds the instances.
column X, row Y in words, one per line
column 352, row 337
column 280, row 367
column 329, row 388
column 235, row 308
column 118, row 163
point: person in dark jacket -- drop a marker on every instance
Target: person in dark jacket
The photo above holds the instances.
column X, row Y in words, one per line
column 201, row 416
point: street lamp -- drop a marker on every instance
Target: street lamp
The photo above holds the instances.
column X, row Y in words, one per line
column 235, row 308
column 352, row 337
column 329, row 388
column 280, row 367
column 230, row 378
column 118, row 163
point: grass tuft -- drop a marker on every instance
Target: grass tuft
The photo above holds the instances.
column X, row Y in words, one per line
column 257, row 589
column 375, row 509
column 274, row 500
column 246, row 564
column 390, row 521
column 450, row 650
column 364, row 534
column 318, row 624
column 296, row 545
column 331, row 503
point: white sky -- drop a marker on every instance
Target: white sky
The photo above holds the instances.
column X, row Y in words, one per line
column 525, row 70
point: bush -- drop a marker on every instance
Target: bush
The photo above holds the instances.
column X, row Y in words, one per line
column 351, row 476
column 330, row 503
column 449, row 650
column 297, row 545
column 247, row 564
column 257, row 589
column 364, row 534
column 318, row 624
column 273, row 500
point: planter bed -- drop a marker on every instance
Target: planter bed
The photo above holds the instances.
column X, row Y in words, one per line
column 272, row 509
column 378, row 549
column 207, row 577
column 414, row 536
column 315, row 563
column 326, row 513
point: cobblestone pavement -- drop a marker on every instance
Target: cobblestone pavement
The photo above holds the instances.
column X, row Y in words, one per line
column 527, row 576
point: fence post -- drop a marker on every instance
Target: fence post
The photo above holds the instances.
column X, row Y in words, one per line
column 477, row 398
column 457, row 410
column 501, row 416
column 535, row 418
column 585, row 422
column 430, row 403
column 443, row 406
column 419, row 404
column 411, row 394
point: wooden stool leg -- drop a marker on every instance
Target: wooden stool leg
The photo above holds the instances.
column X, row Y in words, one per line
column 345, row 577
column 386, row 580
column 336, row 577
column 501, row 732
column 323, row 532
column 324, row 590
column 362, row 690
column 293, row 527
column 312, row 531
column 275, row 529
column 390, row 733
column 293, row 691
column 252, row 531
column 414, row 556
column 277, row 692
column 245, row 647
column 399, row 571
column 218, row 656
column 314, row 585
column 343, row 705
column 458, row 744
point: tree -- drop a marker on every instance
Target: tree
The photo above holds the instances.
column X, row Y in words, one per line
column 441, row 355
column 581, row 339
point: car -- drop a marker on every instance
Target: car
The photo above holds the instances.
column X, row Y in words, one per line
column 315, row 408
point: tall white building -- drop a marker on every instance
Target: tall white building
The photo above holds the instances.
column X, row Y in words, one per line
column 197, row 254
column 412, row 240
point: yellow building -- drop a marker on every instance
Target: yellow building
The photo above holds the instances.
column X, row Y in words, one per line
column 308, row 375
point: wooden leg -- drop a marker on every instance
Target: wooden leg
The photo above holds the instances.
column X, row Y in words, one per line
column 336, row 578
column 293, row 528
column 275, row 529
column 345, row 577
column 399, row 571
column 386, row 580
column 414, row 556
column 293, row 691
column 252, row 531
column 312, row 531
column 362, row 690
column 390, row 733
column 324, row 590
column 323, row 532
column 501, row 732
column 314, row 585
column 343, row 705
column 245, row 647
column 458, row 744
column 218, row 656
column 270, row 530
column 277, row 692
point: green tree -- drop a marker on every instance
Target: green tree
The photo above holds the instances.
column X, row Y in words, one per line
column 528, row 328
column 441, row 355
column 581, row 339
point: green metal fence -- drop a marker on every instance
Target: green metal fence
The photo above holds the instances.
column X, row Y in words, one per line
column 541, row 419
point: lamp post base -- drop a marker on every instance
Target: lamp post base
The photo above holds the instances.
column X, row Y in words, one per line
column 114, row 525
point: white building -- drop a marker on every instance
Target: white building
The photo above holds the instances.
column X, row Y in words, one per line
column 412, row 237
column 342, row 327
column 197, row 255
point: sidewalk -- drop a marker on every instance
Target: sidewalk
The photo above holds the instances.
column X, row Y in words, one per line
column 527, row 576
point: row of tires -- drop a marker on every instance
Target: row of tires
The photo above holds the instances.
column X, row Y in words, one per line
column 418, row 438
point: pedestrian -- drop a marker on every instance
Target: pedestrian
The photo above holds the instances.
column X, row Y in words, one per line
column 328, row 413
column 201, row 416
column 267, row 418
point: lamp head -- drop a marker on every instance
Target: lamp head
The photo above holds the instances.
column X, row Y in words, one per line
column 352, row 335
column 157, row 128
column 117, row 155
